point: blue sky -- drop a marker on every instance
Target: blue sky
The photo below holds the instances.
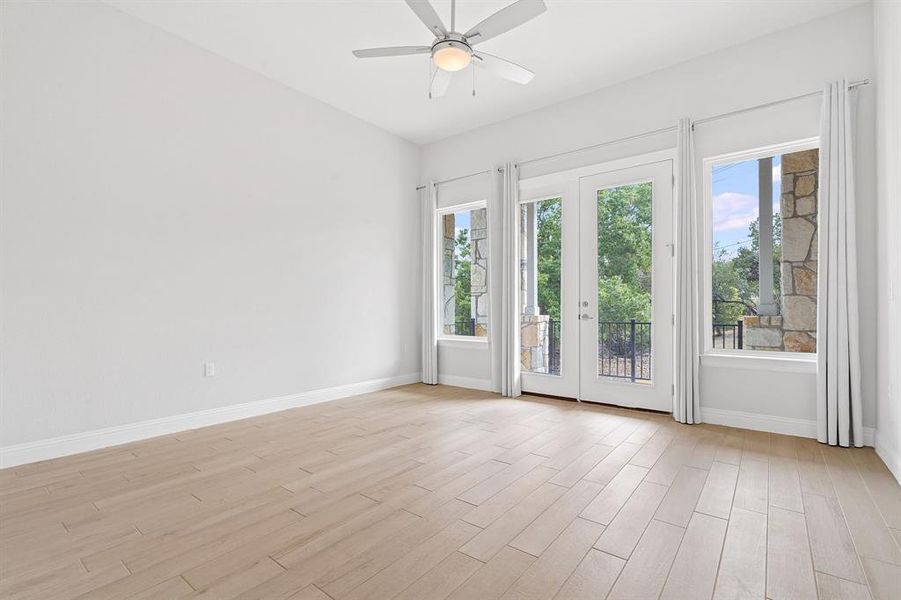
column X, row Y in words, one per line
column 461, row 221
column 735, row 201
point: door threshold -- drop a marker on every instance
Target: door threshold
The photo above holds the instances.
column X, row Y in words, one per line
column 571, row 399
column 551, row 396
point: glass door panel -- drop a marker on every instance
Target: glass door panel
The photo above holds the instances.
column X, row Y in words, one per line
column 540, row 279
column 548, row 269
column 624, row 259
column 626, row 287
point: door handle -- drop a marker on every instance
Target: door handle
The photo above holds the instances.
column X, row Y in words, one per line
column 586, row 317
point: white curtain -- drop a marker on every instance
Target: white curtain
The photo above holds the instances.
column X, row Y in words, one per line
column 687, row 397
column 839, row 419
column 429, row 204
column 506, row 372
column 495, row 276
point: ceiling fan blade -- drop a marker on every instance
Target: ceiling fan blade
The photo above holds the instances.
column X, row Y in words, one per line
column 392, row 51
column 427, row 15
column 440, row 82
column 503, row 68
column 505, row 19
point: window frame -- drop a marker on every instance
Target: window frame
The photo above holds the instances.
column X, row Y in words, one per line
column 707, row 166
column 439, row 288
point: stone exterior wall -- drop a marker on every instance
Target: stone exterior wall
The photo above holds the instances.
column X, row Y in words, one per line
column 800, row 181
column 534, row 343
column 763, row 333
column 479, row 269
column 795, row 329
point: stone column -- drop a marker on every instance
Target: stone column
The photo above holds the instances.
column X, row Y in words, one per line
column 534, row 342
column 794, row 330
column 767, row 305
column 530, row 259
column 448, row 280
column 479, row 269
column 523, row 258
column 800, row 179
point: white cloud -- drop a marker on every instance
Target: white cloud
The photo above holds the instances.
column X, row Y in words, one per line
column 777, row 173
column 732, row 210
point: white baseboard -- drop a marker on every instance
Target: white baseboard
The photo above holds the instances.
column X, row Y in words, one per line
column 473, row 383
column 890, row 456
column 75, row 443
column 770, row 423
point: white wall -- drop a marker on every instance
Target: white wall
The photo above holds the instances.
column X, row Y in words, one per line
column 780, row 65
column 162, row 207
column 887, row 25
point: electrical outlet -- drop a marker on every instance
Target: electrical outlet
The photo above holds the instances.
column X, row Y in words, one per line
column 209, row 369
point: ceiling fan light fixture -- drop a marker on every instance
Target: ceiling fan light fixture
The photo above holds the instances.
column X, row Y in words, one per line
column 451, row 51
column 451, row 56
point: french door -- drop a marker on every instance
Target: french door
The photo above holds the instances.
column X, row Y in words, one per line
column 597, row 285
column 626, row 287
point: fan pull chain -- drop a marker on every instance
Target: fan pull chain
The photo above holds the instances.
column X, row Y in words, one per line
column 473, row 68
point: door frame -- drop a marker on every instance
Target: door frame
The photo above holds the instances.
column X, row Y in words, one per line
column 557, row 184
column 657, row 393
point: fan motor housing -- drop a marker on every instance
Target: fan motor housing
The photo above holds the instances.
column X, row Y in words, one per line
column 452, row 53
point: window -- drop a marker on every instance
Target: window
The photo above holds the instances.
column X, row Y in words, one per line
column 463, row 248
column 764, row 240
column 539, row 274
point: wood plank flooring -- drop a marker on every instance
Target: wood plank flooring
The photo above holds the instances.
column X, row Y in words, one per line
column 437, row 492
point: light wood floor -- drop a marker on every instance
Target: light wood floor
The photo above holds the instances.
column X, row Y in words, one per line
column 439, row 492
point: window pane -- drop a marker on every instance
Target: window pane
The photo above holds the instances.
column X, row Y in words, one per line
column 540, row 251
column 464, row 265
column 624, row 282
column 765, row 253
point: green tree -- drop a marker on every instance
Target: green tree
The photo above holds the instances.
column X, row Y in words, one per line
column 548, row 214
column 624, row 252
column 463, row 272
column 733, row 294
column 736, row 276
column 619, row 301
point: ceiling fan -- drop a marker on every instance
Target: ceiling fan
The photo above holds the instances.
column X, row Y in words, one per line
column 452, row 51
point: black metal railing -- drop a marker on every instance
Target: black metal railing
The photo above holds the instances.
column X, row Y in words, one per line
column 465, row 327
column 624, row 347
column 624, row 350
column 729, row 335
column 553, row 346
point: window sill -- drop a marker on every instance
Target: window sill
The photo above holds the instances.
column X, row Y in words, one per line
column 792, row 364
column 463, row 342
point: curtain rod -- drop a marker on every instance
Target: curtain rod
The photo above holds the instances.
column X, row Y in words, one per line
column 485, row 172
column 703, row 121
column 851, row 86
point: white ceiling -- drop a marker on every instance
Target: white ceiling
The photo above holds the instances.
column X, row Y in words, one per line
column 577, row 46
